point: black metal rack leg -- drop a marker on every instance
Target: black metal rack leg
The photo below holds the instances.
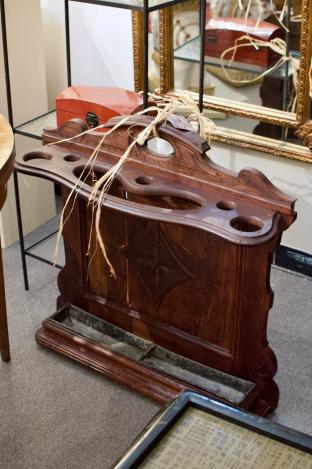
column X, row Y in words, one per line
column 202, row 22
column 286, row 72
column 145, row 54
column 67, row 42
column 20, row 230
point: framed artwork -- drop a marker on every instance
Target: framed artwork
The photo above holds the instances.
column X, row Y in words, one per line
column 195, row 431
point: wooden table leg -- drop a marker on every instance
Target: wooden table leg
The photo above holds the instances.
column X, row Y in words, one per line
column 7, row 155
column 4, row 333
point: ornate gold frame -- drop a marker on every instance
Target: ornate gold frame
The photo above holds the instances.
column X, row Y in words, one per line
column 299, row 120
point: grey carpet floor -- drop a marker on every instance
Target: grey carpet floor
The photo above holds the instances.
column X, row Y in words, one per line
column 57, row 414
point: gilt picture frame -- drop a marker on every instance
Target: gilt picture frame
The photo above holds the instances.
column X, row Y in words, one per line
column 299, row 120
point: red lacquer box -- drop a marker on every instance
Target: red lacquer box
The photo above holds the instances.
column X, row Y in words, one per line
column 221, row 34
column 95, row 104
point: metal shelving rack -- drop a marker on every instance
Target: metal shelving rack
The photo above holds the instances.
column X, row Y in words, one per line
column 33, row 128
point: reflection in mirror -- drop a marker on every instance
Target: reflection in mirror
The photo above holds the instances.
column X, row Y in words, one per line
column 160, row 147
column 252, row 52
column 252, row 126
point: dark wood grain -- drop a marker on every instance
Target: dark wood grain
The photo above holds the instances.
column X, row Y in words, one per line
column 7, row 155
column 156, row 385
column 191, row 244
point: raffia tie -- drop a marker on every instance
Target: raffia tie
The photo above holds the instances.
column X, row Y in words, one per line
column 277, row 45
column 100, row 188
column 279, row 15
column 204, row 126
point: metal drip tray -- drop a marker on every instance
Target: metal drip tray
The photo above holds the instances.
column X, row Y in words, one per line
column 90, row 328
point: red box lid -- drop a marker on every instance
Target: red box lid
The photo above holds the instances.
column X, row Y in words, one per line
column 105, row 102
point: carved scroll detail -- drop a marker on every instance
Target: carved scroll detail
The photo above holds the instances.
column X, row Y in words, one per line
column 137, row 37
column 166, row 50
column 305, row 132
column 159, row 268
column 305, row 61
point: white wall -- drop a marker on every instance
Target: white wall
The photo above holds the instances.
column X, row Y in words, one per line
column 101, row 45
column 53, row 22
column 26, row 59
column 29, row 99
column 290, row 176
column 102, row 55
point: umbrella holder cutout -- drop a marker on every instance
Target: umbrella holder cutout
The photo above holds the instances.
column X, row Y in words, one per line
column 191, row 245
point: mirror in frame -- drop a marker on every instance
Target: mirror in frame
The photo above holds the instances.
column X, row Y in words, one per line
column 272, row 89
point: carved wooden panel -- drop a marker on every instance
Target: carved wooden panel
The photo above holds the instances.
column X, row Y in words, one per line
column 191, row 244
column 165, row 272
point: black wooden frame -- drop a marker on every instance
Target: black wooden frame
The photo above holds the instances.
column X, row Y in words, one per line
column 165, row 419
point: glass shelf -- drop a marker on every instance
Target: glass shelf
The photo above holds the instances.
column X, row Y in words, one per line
column 34, row 128
column 44, row 250
column 190, row 52
column 133, row 4
column 42, row 241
